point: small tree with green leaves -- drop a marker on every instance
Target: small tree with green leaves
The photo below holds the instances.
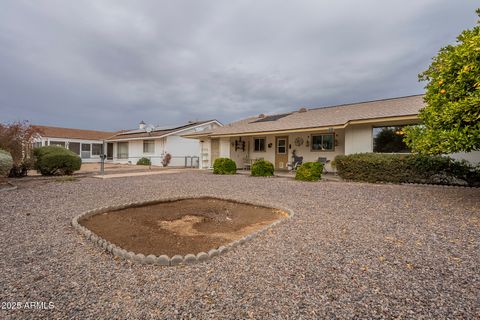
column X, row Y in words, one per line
column 451, row 117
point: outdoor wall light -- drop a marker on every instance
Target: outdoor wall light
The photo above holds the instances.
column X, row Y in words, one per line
column 270, row 145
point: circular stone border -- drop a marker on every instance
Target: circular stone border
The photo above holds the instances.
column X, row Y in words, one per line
column 11, row 188
column 164, row 260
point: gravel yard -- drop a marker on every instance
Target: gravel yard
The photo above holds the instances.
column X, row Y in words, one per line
column 351, row 250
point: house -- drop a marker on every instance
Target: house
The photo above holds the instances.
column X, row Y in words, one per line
column 315, row 133
column 88, row 144
column 154, row 142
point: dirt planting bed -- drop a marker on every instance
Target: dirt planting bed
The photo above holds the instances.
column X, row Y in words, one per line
column 180, row 227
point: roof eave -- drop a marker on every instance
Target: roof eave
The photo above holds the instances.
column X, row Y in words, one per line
column 309, row 129
column 166, row 134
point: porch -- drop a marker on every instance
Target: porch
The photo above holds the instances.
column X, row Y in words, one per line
column 280, row 149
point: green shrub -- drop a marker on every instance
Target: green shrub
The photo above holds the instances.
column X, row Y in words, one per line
column 309, row 171
column 6, row 163
column 224, row 166
column 54, row 160
column 262, row 168
column 144, row 162
column 411, row 168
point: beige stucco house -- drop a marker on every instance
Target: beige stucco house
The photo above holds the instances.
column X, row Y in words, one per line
column 311, row 133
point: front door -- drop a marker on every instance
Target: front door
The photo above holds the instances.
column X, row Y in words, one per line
column 86, row 150
column 109, row 151
column 281, row 153
column 215, row 150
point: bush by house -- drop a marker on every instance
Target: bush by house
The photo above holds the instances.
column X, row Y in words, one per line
column 224, row 166
column 54, row 160
column 407, row 168
column 6, row 163
column 262, row 168
column 309, row 171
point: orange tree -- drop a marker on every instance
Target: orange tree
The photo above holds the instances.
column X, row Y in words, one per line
column 451, row 117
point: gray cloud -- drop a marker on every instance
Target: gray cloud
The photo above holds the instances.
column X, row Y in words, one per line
column 109, row 64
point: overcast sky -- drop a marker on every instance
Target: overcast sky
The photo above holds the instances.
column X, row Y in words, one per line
column 107, row 65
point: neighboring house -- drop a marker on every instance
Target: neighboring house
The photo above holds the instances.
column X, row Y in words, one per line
column 154, row 142
column 88, row 144
column 373, row 126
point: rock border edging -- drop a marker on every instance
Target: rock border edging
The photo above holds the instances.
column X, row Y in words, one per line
column 164, row 260
column 11, row 188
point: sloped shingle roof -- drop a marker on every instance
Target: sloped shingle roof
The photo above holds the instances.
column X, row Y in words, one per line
column 139, row 133
column 70, row 133
column 326, row 116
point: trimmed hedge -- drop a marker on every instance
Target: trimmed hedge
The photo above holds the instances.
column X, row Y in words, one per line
column 55, row 160
column 144, row 162
column 406, row 168
column 6, row 163
column 262, row 168
column 309, row 171
column 224, row 166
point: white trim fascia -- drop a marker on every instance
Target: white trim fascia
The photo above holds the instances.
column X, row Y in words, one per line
column 70, row 140
column 165, row 135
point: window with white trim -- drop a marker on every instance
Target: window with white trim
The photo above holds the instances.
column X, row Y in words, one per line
column 259, row 144
column 122, row 150
column 389, row 140
column 148, row 146
column 58, row 143
column 323, row 142
column 97, row 149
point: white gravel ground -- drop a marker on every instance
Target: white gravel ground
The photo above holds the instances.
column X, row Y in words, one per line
column 352, row 251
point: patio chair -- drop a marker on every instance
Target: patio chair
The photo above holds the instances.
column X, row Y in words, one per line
column 296, row 162
column 324, row 161
column 247, row 164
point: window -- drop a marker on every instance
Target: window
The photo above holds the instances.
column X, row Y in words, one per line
column 37, row 144
column 259, row 144
column 148, row 146
column 122, row 150
column 323, row 142
column 75, row 147
column 389, row 140
column 57, row 143
column 281, row 145
column 97, row 149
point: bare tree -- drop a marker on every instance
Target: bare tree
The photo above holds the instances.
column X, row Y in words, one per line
column 18, row 138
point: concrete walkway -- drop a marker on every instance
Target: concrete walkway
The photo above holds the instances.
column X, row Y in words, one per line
column 290, row 174
column 143, row 173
